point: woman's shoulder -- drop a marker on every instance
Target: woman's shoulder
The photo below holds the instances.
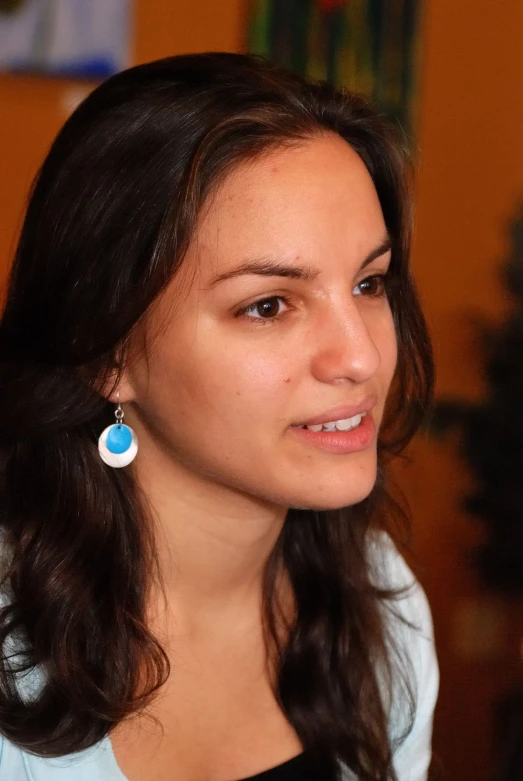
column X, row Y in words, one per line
column 409, row 622
column 410, row 607
column 97, row 763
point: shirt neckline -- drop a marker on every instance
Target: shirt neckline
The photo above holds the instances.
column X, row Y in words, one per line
column 119, row 776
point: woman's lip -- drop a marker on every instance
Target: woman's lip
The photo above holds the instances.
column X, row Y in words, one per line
column 342, row 412
column 340, row 442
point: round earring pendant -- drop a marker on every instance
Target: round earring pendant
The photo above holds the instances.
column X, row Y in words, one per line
column 118, row 445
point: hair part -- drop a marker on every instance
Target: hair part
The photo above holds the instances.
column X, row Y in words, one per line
column 110, row 217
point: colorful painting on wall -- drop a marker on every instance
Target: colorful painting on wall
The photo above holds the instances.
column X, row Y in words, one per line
column 80, row 38
column 369, row 46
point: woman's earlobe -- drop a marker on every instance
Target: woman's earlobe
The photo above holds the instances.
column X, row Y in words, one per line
column 114, row 387
column 120, row 394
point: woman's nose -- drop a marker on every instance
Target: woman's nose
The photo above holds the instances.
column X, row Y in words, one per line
column 343, row 348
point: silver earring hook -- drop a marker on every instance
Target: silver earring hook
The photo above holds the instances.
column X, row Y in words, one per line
column 119, row 413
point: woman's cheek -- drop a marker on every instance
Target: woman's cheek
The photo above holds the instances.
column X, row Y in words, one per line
column 265, row 375
column 385, row 339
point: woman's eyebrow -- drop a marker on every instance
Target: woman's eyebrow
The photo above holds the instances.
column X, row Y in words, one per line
column 384, row 247
column 274, row 267
column 268, row 267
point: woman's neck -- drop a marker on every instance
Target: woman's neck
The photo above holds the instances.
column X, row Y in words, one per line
column 212, row 541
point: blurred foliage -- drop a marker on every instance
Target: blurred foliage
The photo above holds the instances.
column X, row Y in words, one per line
column 491, row 435
column 369, row 46
column 10, row 6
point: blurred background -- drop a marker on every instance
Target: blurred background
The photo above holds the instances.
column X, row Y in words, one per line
column 450, row 72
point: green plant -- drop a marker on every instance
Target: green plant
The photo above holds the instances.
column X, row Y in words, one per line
column 491, row 438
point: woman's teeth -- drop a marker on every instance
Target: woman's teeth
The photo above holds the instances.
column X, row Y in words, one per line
column 338, row 425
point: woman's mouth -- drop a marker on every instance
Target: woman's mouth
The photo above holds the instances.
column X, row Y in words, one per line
column 347, row 424
column 347, row 435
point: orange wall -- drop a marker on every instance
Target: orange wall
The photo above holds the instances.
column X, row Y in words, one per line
column 165, row 27
column 470, row 178
column 471, row 172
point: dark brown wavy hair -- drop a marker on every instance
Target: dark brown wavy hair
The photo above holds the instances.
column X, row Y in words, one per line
column 110, row 216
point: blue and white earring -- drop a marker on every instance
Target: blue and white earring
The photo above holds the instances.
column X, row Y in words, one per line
column 118, row 444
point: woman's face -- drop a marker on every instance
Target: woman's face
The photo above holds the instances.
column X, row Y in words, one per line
column 277, row 319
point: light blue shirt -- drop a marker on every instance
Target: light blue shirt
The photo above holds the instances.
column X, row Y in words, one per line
column 411, row 760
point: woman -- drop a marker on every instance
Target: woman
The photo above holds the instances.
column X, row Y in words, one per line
column 217, row 250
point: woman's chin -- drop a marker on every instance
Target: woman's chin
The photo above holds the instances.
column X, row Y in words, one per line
column 334, row 497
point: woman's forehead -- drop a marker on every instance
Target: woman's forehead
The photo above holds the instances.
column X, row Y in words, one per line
column 290, row 201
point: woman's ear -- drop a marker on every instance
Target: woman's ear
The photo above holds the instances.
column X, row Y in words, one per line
column 119, row 390
column 114, row 384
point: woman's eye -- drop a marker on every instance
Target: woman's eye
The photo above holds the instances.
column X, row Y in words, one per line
column 265, row 308
column 373, row 286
